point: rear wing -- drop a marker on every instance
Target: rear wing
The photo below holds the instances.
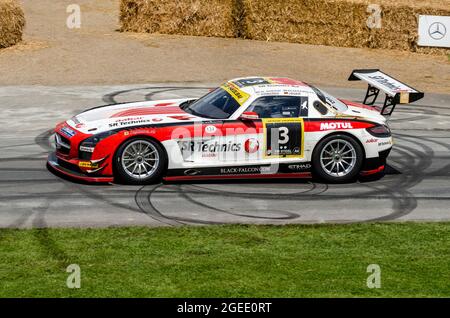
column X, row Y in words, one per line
column 396, row 91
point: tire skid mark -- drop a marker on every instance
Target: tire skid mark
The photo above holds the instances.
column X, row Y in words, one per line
column 403, row 202
column 189, row 198
column 43, row 141
column 143, row 201
column 264, row 195
column 414, row 163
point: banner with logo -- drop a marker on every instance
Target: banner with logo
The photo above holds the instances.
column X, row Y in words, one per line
column 434, row 31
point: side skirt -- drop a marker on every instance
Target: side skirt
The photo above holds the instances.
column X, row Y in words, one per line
column 281, row 171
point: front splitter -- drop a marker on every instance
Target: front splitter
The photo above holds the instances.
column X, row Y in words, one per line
column 53, row 164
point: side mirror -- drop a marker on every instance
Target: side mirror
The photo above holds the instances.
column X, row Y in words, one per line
column 249, row 116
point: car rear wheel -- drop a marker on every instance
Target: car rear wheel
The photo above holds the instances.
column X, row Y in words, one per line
column 338, row 158
column 140, row 161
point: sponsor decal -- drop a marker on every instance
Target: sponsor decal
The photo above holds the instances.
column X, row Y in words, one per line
column 88, row 165
column 129, row 122
column 245, row 170
column 336, row 125
column 210, row 129
column 214, row 147
column 268, row 82
column 140, row 131
column 240, row 96
column 251, row 81
column 79, row 126
column 385, row 143
column 300, row 167
column 251, row 145
column 68, row 132
column 370, row 141
column 87, row 149
column 311, row 125
column 209, row 155
column 157, row 120
column 385, row 81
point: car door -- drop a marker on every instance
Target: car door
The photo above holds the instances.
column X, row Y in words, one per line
column 277, row 135
column 202, row 143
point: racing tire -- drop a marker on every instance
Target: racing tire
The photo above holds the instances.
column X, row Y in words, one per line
column 337, row 159
column 140, row 161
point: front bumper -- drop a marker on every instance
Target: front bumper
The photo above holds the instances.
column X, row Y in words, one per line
column 375, row 165
column 72, row 171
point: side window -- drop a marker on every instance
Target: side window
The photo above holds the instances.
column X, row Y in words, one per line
column 280, row 107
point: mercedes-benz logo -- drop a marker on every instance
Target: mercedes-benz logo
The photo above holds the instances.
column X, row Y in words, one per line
column 437, row 30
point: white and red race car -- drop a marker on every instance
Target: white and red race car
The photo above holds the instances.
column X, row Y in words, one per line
column 256, row 127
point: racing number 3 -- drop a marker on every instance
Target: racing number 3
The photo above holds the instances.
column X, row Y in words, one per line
column 283, row 137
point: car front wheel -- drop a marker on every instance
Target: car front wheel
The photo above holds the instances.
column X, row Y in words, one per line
column 140, row 161
column 338, row 159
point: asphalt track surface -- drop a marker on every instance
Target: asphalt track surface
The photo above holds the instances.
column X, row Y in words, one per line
column 416, row 187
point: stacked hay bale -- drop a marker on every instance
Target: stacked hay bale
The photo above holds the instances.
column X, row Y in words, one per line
column 12, row 22
column 325, row 22
column 335, row 23
column 186, row 17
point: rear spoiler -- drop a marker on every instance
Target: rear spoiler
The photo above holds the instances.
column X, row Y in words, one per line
column 396, row 91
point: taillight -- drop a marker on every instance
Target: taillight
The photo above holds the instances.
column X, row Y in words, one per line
column 381, row 131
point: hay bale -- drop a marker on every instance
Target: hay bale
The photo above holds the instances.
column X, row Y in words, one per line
column 12, row 22
column 323, row 22
column 185, row 17
column 335, row 23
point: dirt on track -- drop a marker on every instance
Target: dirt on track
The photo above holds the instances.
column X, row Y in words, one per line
column 96, row 54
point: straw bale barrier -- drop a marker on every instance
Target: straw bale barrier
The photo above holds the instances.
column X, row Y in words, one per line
column 324, row 22
column 12, row 22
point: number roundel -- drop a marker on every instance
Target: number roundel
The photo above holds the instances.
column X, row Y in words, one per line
column 283, row 137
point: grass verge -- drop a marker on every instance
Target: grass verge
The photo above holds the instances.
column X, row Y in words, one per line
column 228, row 261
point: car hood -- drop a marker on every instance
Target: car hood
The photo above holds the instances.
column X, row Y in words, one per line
column 118, row 116
column 363, row 111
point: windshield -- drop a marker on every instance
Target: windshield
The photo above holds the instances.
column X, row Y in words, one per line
column 218, row 104
column 329, row 99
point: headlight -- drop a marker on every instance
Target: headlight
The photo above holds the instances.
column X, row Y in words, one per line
column 87, row 146
column 381, row 131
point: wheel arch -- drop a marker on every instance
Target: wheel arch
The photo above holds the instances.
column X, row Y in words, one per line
column 139, row 136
